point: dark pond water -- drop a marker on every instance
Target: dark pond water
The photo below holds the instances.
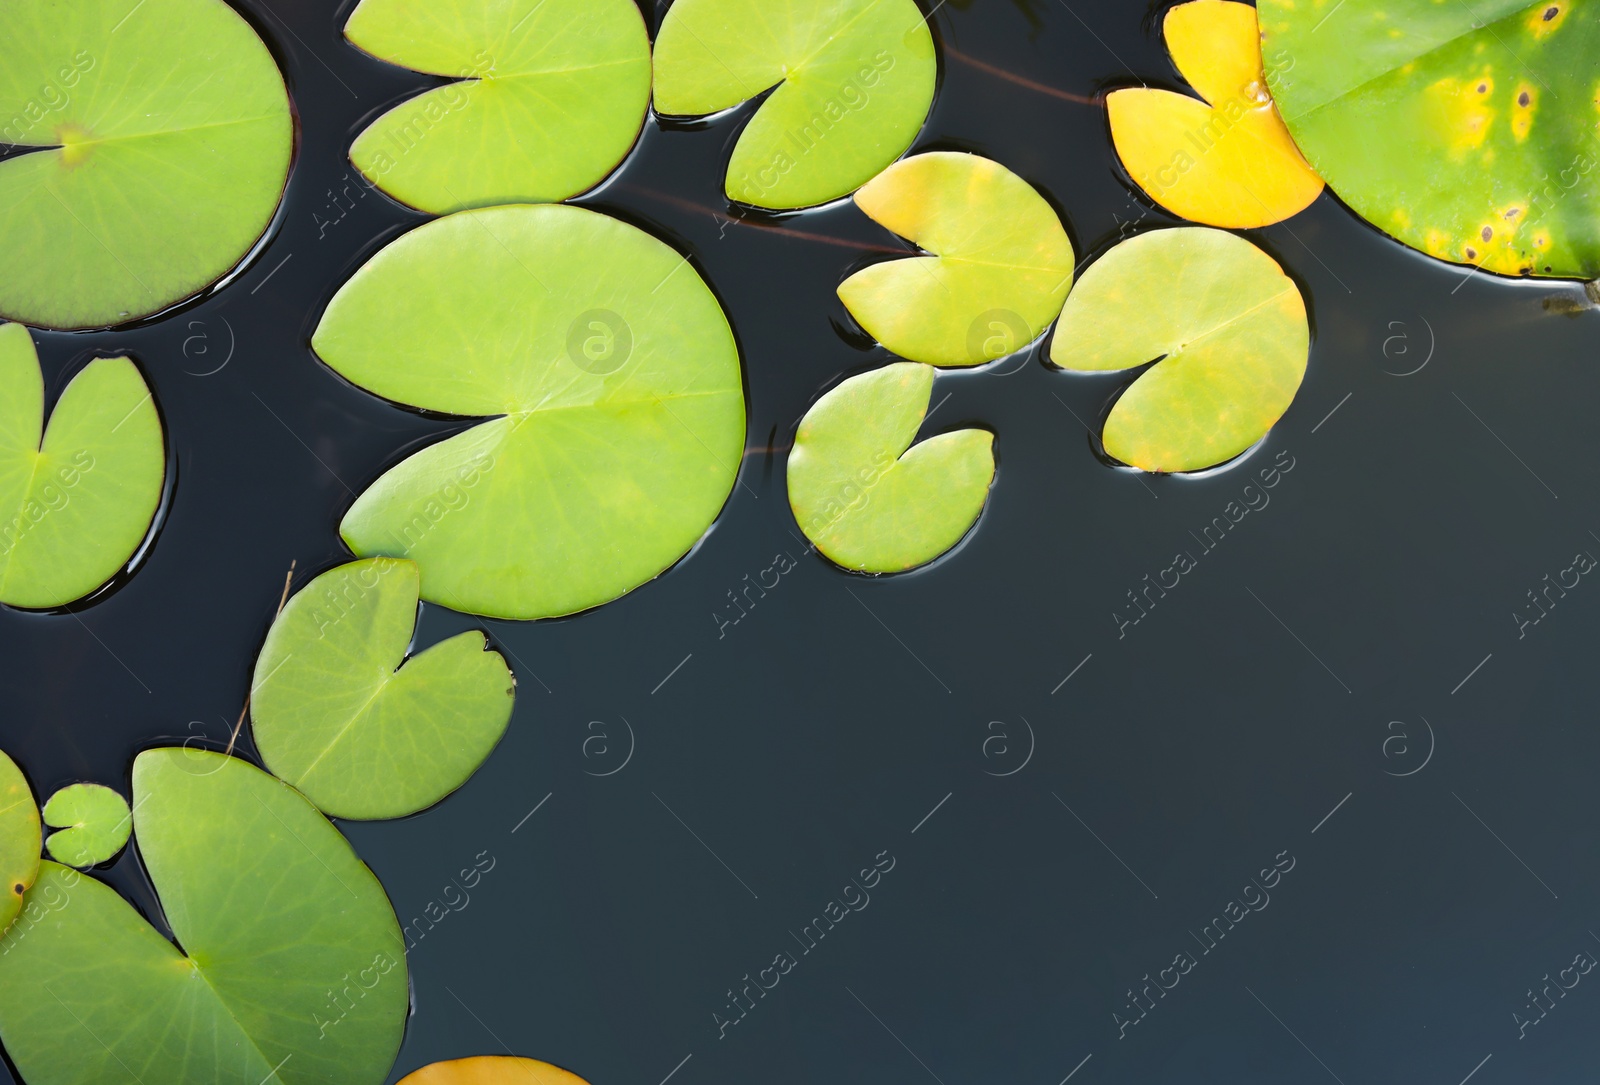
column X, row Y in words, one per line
column 1336, row 702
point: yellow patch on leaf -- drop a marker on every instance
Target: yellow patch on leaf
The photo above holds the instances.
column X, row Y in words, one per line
column 1545, row 19
column 492, row 1070
column 1228, row 160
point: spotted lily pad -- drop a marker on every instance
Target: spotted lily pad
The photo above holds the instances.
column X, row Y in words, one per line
column 551, row 95
column 166, row 137
column 76, row 498
column 1466, row 130
column 867, row 502
column 1229, row 329
column 343, row 715
column 492, row 1070
column 1001, row 266
column 93, row 823
column 1227, row 161
column 854, row 78
column 292, row 966
column 615, row 387
column 19, row 840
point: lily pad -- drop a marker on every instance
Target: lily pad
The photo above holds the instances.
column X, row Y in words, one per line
column 1229, row 329
column 1464, row 130
column 867, row 502
column 93, row 823
column 1227, row 161
column 19, row 840
column 552, row 95
column 166, row 137
column 76, row 498
column 492, row 1070
column 343, row 715
column 854, row 78
column 616, row 383
column 1001, row 266
column 292, row 963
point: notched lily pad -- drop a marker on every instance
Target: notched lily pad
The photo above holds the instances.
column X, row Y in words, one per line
column 92, row 823
column 76, row 498
column 867, row 502
column 19, row 840
column 1001, row 266
column 854, row 78
column 292, row 967
column 492, row 1070
column 613, row 386
column 1229, row 329
column 1228, row 161
column 1465, row 130
column 343, row 715
column 166, row 137
column 552, row 95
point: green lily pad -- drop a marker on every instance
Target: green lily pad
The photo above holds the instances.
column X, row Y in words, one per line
column 1001, row 265
column 94, row 824
column 343, row 715
column 1228, row 326
column 167, row 137
column 855, row 81
column 76, row 498
column 1465, row 130
column 552, row 95
column 292, row 963
column 19, row 840
column 865, row 501
column 616, row 383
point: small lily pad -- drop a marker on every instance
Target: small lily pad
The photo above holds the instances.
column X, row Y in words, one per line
column 552, row 95
column 1227, row 161
column 343, row 715
column 78, row 496
column 1001, row 266
column 1229, row 329
column 854, row 78
column 93, row 823
column 1463, row 129
column 19, row 840
column 616, row 383
column 166, row 137
column 867, row 502
column 492, row 1070
column 292, row 966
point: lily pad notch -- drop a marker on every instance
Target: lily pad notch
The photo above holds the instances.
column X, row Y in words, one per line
column 851, row 84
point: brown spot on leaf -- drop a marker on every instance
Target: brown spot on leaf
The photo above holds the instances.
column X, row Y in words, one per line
column 1472, row 253
column 1483, row 88
column 1488, row 233
column 1523, row 99
column 1551, row 12
column 19, row 889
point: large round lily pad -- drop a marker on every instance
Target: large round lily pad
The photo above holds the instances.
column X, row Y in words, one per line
column 552, row 94
column 1000, row 267
column 1466, row 130
column 19, row 840
column 868, row 498
column 343, row 715
column 616, row 387
column 168, row 136
column 854, row 78
column 78, row 496
column 292, row 966
column 1225, row 325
